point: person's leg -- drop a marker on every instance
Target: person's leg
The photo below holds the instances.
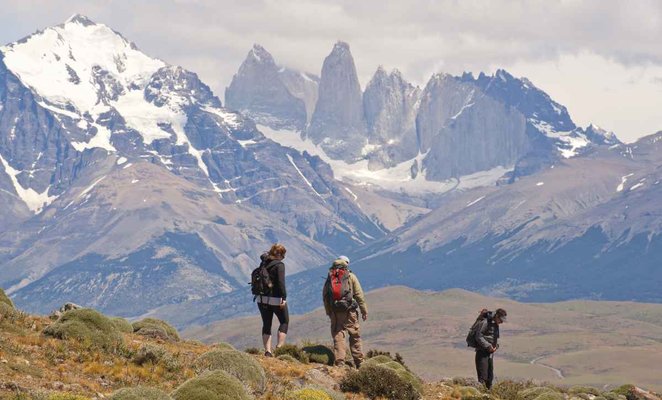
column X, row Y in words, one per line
column 482, row 359
column 267, row 318
column 490, row 371
column 354, row 330
column 338, row 335
column 283, row 316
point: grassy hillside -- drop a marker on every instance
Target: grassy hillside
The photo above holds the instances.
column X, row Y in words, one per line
column 602, row 344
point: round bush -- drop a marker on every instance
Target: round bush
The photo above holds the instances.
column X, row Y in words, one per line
column 550, row 396
column 307, row 394
column 223, row 346
column 404, row 374
column 88, row 326
column 320, row 354
column 5, row 299
column 155, row 328
column 532, row 393
column 236, row 363
column 293, row 351
column 122, row 324
column 287, row 358
column 140, row 393
column 7, row 311
column 149, row 353
column 377, row 380
column 66, row 396
column 212, row 385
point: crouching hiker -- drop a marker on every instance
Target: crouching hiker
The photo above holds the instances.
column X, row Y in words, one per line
column 343, row 299
column 484, row 337
column 268, row 287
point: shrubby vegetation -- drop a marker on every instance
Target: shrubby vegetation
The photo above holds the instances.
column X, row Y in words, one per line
column 294, row 351
column 122, row 324
column 155, row 328
column 319, row 353
column 88, row 326
column 212, row 385
column 379, row 381
column 236, row 363
column 307, row 394
column 140, row 393
column 5, row 299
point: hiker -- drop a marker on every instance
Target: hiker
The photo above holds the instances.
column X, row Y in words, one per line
column 268, row 281
column 486, row 340
column 343, row 298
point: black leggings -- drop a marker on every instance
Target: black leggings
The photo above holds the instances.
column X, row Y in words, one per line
column 267, row 313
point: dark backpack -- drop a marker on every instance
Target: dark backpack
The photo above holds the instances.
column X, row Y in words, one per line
column 261, row 282
column 471, row 336
column 340, row 289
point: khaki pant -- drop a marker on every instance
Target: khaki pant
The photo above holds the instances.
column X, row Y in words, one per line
column 343, row 323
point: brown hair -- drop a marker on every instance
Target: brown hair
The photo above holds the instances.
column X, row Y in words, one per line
column 277, row 252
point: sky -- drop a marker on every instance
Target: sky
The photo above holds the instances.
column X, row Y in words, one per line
column 602, row 59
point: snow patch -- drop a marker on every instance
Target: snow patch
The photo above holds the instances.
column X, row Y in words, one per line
column 89, row 188
column 121, row 160
column 471, row 203
column 289, row 157
column 540, row 183
column 34, row 200
column 624, row 179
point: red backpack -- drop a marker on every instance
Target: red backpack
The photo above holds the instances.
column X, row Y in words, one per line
column 340, row 289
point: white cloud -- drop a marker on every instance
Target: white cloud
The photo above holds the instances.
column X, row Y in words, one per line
column 598, row 57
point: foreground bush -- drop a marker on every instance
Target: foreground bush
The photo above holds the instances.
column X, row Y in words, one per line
column 320, row 354
column 149, row 353
column 223, row 346
column 5, row 299
column 87, row 326
column 307, row 394
column 140, row 393
column 66, row 396
column 122, row 324
column 377, row 380
column 287, row 358
column 387, row 362
column 155, row 328
column 293, row 351
column 539, row 393
column 213, row 385
column 238, row 364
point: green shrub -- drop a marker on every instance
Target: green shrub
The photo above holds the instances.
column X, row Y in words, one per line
column 467, row 392
column 253, row 350
column 534, row 392
column 8, row 312
column 149, row 353
column 508, row 389
column 293, row 351
column 5, row 299
column 629, row 391
column 88, row 326
column 307, row 394
column 552, row 395
column 377, row 380
column 140, row 393
column 584, row 390
column 155, row 328
column 287, row 358
column 223, row 346
column 122, row 324
column 240, row 365
column 402, row 371
column 613, row 396
column 212, row 385
column 66, row 396
column 320, row 354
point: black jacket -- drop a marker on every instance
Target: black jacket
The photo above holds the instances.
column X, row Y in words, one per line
column 276, row 270
column 487, row 334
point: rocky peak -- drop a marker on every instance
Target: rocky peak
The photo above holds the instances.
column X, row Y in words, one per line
column 338, row 119
column 258, row 91
column 598, row 135
column 79, row 19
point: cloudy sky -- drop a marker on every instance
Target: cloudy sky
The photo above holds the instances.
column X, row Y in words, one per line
column 601, row 58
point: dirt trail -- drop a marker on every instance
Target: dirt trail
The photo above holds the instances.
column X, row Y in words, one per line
column 557, row 371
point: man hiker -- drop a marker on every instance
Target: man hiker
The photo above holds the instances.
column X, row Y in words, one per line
column 343, row 299
column 486, row 335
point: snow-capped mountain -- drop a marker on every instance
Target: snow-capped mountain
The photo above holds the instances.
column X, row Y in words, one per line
column 80, row 104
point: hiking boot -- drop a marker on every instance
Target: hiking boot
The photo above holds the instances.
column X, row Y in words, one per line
column 268, row 354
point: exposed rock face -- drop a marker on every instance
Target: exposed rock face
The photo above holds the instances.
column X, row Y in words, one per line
column 258, row 91
column 390, row 105
column 338, row 123
column 301, row 85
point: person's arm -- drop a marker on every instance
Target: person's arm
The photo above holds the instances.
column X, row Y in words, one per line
column 480, row 337
column 281, row 281
column 359, row 296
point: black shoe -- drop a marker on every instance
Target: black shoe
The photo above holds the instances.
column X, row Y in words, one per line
column 268, row 354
